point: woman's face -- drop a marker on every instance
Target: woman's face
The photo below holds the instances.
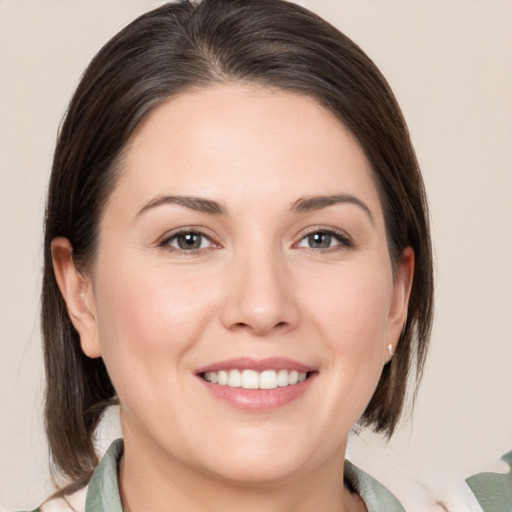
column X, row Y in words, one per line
column 244, row 243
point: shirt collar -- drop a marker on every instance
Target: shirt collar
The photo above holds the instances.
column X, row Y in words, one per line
column 103, row 490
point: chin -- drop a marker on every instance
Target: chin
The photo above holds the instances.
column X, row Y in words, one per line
column 263, row 460
column 271, row 471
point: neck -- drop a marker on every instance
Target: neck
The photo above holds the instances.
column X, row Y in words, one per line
column 151, row 482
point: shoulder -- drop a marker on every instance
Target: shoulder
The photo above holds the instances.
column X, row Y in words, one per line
column 72, row 503
column 374, row 495
column 100, row 495
column 493, row 490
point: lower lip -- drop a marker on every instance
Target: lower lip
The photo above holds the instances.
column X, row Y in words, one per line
column 259, row 400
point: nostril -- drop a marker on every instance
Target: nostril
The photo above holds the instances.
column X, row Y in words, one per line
column 259, row 327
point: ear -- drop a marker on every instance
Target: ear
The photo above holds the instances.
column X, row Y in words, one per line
column 401, row 292
column 77, row 292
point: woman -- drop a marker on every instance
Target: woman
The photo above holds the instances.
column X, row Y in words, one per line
column 237, row 252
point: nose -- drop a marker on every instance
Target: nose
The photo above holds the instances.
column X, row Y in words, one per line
column 259, row 296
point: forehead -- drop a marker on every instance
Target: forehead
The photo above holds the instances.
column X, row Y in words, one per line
column 221, row 141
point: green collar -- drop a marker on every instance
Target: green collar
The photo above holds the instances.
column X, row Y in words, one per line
column 103, row 490
column 493, row 490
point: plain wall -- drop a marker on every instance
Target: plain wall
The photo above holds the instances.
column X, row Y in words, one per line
column 450, row 65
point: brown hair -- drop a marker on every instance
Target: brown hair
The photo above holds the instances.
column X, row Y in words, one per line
column 177, row 47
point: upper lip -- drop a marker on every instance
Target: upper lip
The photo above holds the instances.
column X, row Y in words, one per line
column 249, row 363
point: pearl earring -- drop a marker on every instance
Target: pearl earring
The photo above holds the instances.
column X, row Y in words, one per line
column 390, row 349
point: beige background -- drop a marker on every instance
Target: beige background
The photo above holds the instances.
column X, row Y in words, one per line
column 450, row 64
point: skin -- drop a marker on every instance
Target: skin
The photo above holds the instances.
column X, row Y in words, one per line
column 257, row 287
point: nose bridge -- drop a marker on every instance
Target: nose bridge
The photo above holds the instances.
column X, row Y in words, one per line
column 261, row 291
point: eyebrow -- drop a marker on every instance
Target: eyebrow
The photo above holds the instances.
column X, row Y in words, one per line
column 302, row 205
column 311, row 203
column 194, row 203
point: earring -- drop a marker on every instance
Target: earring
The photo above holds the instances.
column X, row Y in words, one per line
column 390, row 349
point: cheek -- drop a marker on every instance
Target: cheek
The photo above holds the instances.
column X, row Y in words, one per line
column 346, row 314
column 146, row 320
column 351, row 311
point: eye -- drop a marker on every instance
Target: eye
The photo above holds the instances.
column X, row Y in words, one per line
column 188, row 241
column 325, row 239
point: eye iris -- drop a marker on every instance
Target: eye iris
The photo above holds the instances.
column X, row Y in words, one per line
column 189, row 241
column 319, row 240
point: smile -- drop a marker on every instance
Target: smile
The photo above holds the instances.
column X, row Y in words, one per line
column 257, row 385
column 252, row 379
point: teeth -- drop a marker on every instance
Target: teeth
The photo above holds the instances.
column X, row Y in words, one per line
column 268, row 379
column 234, row 379
column 282, row 378
column 251, row 379
column 223, row 378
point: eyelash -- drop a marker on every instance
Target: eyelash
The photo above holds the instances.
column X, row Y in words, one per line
column 165, row 242
column 345, row 242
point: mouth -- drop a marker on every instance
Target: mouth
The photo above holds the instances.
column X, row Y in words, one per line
column 257, row 384
column 253, row 379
